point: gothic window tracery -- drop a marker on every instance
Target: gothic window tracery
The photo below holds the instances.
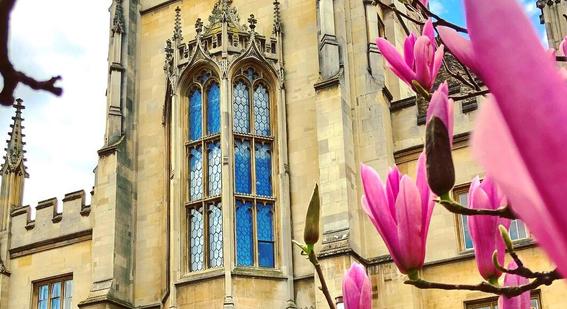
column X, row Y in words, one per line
column 253, row 168
column 204, row 177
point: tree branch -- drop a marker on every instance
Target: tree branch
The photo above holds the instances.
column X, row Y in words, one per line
column 324, row 288
column 454, row 207
column 439, row 20
column 544, row 279
column 11, row 76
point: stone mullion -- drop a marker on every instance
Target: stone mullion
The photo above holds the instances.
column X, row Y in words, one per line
column 227, row 190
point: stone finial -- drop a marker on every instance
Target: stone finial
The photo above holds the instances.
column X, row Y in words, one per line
column 118, row 19
column 252, row 21
column 14, row 161
column 177, row 31
column 199, row 26
column 277, row 18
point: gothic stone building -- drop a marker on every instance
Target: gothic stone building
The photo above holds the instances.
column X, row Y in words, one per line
column 221, row 117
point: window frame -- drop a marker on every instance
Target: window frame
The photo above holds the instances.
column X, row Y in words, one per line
column 464, row 189
column 253, row 138
column 206, row 201
column 36, row 284
column 493, row 301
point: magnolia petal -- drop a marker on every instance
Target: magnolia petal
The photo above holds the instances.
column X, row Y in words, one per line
column 429, row 31
column 408, row 207
column 394, row 59
column 392, row 189
column 426, row 196
column 519, row 302
column 460, row 47
column 441, row 107
column 409, row 45
column 495, row 149
column 563, row 47
column 526, row 85
column 437, row 62
column 423, row 53
column 483, row 231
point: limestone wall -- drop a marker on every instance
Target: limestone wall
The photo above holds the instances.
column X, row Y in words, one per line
column 52, row 226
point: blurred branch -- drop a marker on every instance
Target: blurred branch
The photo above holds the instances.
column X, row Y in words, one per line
column 11, row 76
column 454, row 207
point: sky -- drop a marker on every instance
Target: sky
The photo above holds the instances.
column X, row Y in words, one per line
column 63, row 134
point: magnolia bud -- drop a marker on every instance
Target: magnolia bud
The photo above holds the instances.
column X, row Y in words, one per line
column 506, row 238
column 440, row 169
column 311, row 232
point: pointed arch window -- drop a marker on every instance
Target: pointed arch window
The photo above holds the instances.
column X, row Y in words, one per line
column 253, row 170
column 204, row 179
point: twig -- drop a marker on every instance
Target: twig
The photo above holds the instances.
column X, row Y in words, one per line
column 11, row 76
column 439, row 20
column 470, row 95
column 544, row 279
column 454, row 207
column 324, row 287
column 397, row 11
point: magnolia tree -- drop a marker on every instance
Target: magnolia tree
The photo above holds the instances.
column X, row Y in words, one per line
column 520, row 138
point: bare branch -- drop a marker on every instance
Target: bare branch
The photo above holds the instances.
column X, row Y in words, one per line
column 11, row 76
column 454, row 207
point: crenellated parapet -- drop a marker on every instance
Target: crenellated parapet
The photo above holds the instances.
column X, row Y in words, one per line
column 55, row 224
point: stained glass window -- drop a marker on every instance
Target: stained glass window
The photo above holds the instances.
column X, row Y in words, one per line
column 244, row 236
column 197, row 239
column 196, row 173
column 263, row 169
column 195, row 111
column 262, row 111
column 242, row 167
column 215, row 168
column 215, row 235
column 265, row 235
column 213, row 109
column 241, row 108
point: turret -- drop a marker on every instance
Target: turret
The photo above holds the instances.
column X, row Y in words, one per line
column 554, row 17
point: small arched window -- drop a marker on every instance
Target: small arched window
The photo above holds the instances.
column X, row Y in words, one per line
column 204, row 205
column 253, row 170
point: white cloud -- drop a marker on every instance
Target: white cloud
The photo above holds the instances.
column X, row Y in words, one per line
column 437, row 7
column 68, row 38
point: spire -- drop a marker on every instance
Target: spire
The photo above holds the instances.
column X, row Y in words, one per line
column 14, row 161
column 177, row 31
column 118, row 20
column 277, row 18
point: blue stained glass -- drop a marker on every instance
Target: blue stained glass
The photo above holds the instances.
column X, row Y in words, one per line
column 213, row 109
column 196, row 230
column 263, row 169
column 244, row 239
column 265, row 235
column 241, row 109
column 195, row 130
column 262, row 111
column 214, row 171
column 196, row 177
column 242, row 167
column 215, row 236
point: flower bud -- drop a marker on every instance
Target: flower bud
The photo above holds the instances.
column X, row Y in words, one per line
column 440, row 169
column 311, row 231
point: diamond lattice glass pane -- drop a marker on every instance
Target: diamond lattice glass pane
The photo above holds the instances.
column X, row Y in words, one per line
column 262, row 111
column 265, row 235
column 241, row 109
column 244, row 236
column 242, row 168
column 263, row 169
column 197, row 248
column 214, row 170
column 196, row 174
column 251, row 74
column 213, row 109
column 215, row 236
column 195, row 110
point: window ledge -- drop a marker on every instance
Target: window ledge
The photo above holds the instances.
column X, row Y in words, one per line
column 199, row 276
column 259, row 273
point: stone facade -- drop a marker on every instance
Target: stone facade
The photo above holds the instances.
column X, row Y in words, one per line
column 334, row 106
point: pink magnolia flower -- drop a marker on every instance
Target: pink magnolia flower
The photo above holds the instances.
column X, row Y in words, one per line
column 521, row 134
column 357, row 290
column 421, row 61
column 484, row 229
column 401, row 212
column 460, row 47
column 442, row 107
column 519, row 302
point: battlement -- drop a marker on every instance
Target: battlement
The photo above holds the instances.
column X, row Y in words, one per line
column 52, row 224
